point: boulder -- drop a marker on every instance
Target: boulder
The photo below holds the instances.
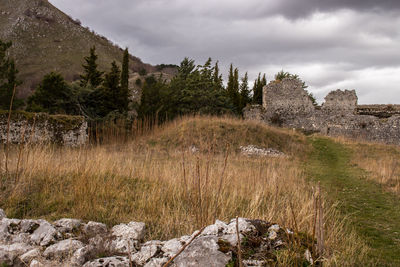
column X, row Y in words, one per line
column 80, row 255
column 94, row 228
column 203, row 251
column 108, row 262
column 45, row 234
column 171, row 247
column 30, row 255
column 132, row 230
column 146, row 252
column 68, row 225
column 35, row 263
column 156, row 262
column 9, row 253
column 62, row 249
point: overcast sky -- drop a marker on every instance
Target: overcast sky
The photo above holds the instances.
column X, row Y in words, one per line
column 331, row 44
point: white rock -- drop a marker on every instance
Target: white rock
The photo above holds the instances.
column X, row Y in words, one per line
column 272, row 235
column 79, row 257
column 122, row 245
column 253, row 263
column 171, row 247
column 30, row 255
column 204, row 251
column 29, row 226
column 8, row 253
column 68, row 225
column 94, row 228
column 36, row 263
column 132, row 230
column 2, row 214
column 244, row 226
column 156, row 262
column 146, row 252
column 274, row 228
column 108, row 262
column 44, row 235
column 62, row 249
column 308, row 256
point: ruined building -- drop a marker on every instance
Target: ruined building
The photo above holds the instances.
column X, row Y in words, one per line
column 287, row 104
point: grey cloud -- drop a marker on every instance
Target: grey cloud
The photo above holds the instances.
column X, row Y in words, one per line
column 329, row 48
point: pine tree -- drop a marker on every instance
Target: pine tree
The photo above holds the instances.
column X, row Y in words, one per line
column 244, row 92
column 115, row 98
column 125, row 71
column 217, row 78
column 91, row 77
column 8, row 79
column 257, row 90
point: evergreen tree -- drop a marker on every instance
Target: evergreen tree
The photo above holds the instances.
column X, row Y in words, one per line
column 257, row 90
column 53, row 95
column 217, row 78
column 244, row 92
column 8, row 79
column 115, row 98
column 233, row 88
column 91, row 77
column 125, row 71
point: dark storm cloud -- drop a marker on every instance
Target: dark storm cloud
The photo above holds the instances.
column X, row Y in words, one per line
column 331, row 44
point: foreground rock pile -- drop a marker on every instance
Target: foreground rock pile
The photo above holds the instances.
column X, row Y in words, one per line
column 70, row 242
column 252, row 150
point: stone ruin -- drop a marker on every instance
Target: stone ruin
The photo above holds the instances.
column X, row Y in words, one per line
column 287, row 104
column 42, row 128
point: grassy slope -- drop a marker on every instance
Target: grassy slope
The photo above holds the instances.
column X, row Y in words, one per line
column 375, row 214
column 45, row 39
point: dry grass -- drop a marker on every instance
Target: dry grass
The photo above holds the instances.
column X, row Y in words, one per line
column 381, row 161
column 156, row 179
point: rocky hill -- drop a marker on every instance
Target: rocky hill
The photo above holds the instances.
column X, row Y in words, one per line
column 45, row 39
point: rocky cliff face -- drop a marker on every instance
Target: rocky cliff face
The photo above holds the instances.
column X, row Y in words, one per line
column 287, row 104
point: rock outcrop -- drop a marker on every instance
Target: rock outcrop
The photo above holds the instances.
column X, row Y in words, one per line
column 70, row 242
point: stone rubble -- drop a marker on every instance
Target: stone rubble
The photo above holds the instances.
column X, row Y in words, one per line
column 71, row 242
column 252, row 150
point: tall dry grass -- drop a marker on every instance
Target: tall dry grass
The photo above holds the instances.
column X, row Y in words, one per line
column 382, row 162
column 155, row 178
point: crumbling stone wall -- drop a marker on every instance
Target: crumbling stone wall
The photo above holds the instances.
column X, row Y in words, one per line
column 287, row 104
column 43, row 128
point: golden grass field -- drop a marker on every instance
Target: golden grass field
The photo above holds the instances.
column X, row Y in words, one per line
column 154, row 177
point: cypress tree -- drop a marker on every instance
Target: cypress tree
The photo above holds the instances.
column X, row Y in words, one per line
column 217, row 78
column 244, row 92
column 257, row 90
column 125, row 71
column 91, row 75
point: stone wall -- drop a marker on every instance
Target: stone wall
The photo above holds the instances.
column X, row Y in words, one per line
column 287, row 104
column 43, row 128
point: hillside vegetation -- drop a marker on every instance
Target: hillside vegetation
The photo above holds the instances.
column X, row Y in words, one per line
column 158, row 177
column 45, row 39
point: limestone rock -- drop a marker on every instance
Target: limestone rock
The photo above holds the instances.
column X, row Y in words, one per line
column 132, row 230
column 203, row 251
column 8, row 253
column 156, row 262
column 171, row 247
column 35, row 263
column 244, row 226
column 62, row 249
column 68, row 225
column 2, row 214
column 44, row 235
column 108, row 262
column 29, row 226
column 94, row 228
column 146, row 252
column 30, row 255
column 80, row 255
column 122, row 245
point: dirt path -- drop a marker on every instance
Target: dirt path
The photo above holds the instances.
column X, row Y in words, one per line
column 375, row 214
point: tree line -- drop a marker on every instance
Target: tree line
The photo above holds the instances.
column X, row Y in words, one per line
column 100, row 96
